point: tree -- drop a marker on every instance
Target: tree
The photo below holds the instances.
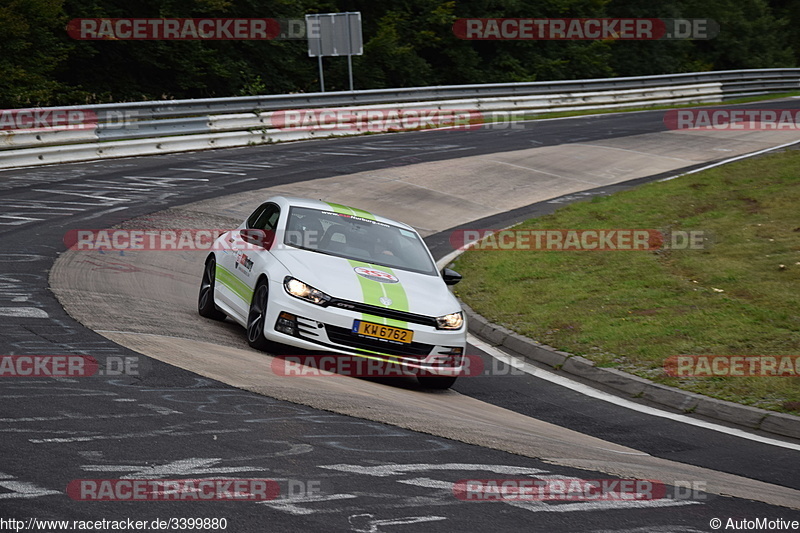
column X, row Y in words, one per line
column 406, row 43
column 31, row 52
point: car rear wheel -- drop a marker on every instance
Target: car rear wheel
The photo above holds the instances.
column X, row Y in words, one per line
column 256, row 317
column 437, row 382
column 205, row 301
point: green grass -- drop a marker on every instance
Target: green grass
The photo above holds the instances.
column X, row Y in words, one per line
column 633, row 309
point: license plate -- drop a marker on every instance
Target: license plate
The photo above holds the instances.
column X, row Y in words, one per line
column 379, row 331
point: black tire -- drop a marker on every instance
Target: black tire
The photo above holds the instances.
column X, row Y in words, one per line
column 437, row 382
column 256, row 317
column 205, row 300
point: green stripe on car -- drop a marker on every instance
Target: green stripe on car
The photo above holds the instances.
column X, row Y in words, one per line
column 345, row 210
column 236, row 286
column 373, row 291
column 396, row 292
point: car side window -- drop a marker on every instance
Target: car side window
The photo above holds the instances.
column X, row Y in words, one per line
column 265, row 217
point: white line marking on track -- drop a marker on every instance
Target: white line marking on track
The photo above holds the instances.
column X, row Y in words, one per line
column 370, row 525
column 545, row 173
column 165, row 432
column 618, row 400
column 112, row 187
column 165, row 182
column 160, row 410
column 212, row 171
column 24, row 312
column 96, row 196
column 394, row 470
column 732, row 159
column 22, row 220
column 636, row 152
column 101, row 213
column 194, row 466
column 539, row 507
column 241, row 164
column 49, row 208
column 22, row 489
column 341, row 153
column 290, row 504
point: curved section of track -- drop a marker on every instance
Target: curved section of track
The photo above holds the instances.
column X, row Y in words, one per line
column 146, row 300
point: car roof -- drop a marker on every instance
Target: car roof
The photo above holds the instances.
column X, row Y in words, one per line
column 322, row 205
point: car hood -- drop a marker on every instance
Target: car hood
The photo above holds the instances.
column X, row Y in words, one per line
column 412, row 292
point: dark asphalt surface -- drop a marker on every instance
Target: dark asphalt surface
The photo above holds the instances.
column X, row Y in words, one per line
column 167, row 423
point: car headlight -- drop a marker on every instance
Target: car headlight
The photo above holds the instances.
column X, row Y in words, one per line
column 451, row 321
column 306, row 292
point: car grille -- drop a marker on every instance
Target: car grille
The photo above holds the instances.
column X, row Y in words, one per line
column 346, row 337
column 384, row 312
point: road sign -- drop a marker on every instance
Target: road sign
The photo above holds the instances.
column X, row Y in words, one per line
column 334, row 34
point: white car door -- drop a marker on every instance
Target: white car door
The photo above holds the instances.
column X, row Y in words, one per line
column 248, row 260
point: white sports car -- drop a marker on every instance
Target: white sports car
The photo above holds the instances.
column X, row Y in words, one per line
column 326, row 277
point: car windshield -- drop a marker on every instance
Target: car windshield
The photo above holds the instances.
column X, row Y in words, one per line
column 354, row 237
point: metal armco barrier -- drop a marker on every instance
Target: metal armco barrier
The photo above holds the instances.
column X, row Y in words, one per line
column 154, row 127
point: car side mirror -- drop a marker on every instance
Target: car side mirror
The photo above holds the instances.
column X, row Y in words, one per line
column 450, row 277
column 258, row 237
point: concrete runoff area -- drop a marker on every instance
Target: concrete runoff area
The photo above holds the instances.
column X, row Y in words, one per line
column 147, row 300
column 443, row 194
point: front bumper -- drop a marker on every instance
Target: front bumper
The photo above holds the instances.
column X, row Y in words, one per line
column 329, row 329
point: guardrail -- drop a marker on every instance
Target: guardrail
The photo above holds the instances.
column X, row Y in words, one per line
column 145, row 128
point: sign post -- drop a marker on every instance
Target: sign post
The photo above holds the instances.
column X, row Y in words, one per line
column 334, row 34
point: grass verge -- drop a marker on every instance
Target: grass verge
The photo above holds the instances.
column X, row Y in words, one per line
column 631, row 310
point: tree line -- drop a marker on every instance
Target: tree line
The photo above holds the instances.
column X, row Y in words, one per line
column 406, row 43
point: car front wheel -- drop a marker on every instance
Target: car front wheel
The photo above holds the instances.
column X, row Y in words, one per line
column 205, row 300
column 257, row 316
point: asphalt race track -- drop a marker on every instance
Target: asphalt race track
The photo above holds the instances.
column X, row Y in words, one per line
column 347, row 454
